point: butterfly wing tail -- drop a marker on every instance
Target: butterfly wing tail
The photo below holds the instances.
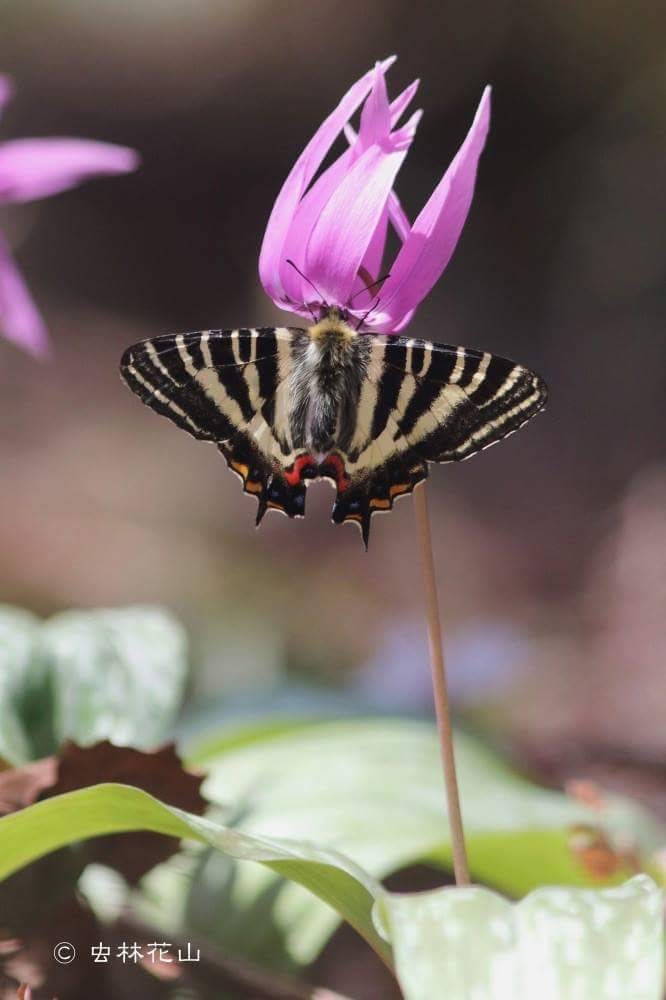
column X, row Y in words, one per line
column 260, row 480
column 376, row 493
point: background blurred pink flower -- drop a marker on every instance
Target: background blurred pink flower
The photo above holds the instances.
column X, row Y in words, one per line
column 37, row 168
column 334, row 230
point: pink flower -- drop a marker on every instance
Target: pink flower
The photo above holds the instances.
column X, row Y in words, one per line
column 37, row 168
column 333, row 229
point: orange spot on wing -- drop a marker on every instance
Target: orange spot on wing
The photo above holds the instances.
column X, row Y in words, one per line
column 398, row 489
column 240, row 468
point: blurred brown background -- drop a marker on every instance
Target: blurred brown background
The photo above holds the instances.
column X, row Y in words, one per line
column 551, row 548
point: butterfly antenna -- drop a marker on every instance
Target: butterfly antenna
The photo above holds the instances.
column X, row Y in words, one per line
column 365, row 316
column 305, row 278
column 379, row 281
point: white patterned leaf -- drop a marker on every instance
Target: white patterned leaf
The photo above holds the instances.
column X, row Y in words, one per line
column 556, row 944
column 117, row 674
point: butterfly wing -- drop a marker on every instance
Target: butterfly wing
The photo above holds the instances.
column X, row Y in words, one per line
column 229, row 387
column 422, row 402
column 412, row 402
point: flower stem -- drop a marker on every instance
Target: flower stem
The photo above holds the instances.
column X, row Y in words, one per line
column 440, row 692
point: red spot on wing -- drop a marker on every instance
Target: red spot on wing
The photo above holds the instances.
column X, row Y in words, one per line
column 341, row 478
column 295, row 475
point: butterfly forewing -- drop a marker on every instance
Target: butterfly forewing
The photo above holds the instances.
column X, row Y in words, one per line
column 369, row 412
column 423, row 402
column 453, row 401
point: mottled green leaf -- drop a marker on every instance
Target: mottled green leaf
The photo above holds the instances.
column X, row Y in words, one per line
column 24, row 690
column 556, row 944
column 86, row 676
column 372, row 789
column 117, row 674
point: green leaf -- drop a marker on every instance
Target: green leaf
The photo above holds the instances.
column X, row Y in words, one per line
column 117, row 674
column 560, row 943
column 557, row 943
column 23, row 683
column 101, row 809
column 87, row 676
column 372, row 789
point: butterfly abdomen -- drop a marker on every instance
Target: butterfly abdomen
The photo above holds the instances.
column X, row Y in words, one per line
column 326, row 386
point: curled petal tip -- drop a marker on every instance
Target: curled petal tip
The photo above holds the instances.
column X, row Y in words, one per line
column 402, row 102
column 432, row 239
column 404, row 136
column 484, row 103
column 294, row 188
column 20, row 320
column 481, row 122
column 40, row 349
column 376, row 113
column 123, row 159
column 105, row 157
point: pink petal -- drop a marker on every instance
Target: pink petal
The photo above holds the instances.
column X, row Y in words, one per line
column 401, row 324
column 433, row 237
column 345, row 227
column 399, row 220
column 19, row 319
column 402, row 102
column 376, row 120
column 305, row 217
column 301, row 174
column 361, row 141
column 36, row 168
column 376, row 113
column 374, row 256
column 360, row 298
column 403, row 137
column 6, row 90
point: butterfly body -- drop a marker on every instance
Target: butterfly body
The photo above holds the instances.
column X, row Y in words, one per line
column 368, row 412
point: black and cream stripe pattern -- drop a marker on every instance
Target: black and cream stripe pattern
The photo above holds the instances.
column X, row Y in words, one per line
column 286, row 406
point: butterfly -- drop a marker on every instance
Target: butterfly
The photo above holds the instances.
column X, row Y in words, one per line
column 368, row 412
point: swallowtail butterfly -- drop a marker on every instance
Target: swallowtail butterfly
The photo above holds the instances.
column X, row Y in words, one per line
column 366, row 411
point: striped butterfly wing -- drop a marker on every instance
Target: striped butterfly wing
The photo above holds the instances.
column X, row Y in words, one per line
column 423, row 402
column 230, row 387
column 402, row 404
